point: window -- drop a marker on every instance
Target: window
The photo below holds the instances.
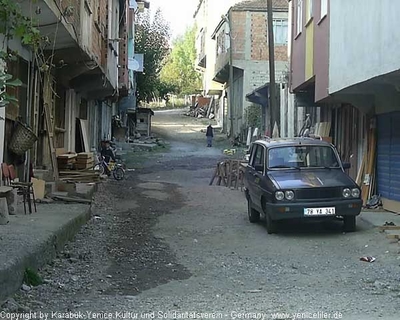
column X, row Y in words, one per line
column 280, row 31
column 302, row 157
column 324, row 8
column 87, row 16
column 113, row 24
column 221, row 43
column 309, row 9
column 258, row 156
column 299, row 16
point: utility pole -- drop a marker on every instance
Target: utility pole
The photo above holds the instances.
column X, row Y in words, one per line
column 231, row 93
column 272, row 88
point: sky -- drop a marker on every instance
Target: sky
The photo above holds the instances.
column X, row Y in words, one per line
column 179, row 13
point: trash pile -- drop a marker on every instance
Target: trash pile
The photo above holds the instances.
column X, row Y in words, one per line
column 202, row 111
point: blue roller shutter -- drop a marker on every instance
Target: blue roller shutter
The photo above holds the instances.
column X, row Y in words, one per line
column 388, row 156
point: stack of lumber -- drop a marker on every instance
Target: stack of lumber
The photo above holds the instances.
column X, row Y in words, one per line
column 66, row 160
column 79, row 176
column 229, row 173
column 366, row 175
column 84, row 160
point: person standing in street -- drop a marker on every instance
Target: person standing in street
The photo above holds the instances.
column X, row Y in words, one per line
column 209, row 135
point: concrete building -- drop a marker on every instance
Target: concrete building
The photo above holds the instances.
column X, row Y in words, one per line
column 365, row 70
column 242, row 42
column 207, row 16
column 78, row 65
column 354, row 80
column 310, row 77
column 131, row 63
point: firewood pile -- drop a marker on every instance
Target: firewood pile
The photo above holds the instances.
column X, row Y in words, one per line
column 205, row 111
column 229, row 173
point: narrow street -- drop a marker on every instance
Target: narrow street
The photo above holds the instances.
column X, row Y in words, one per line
column 163, row 240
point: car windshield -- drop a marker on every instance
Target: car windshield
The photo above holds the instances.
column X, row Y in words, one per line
column 302, row 157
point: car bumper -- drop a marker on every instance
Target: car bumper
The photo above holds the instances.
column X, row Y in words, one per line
column 283, row 211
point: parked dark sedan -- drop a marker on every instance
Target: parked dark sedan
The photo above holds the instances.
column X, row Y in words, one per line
column 299, row 178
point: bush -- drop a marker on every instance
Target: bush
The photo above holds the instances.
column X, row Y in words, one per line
column 254, row 116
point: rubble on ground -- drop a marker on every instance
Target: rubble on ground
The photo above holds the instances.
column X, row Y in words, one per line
column 199, row 112
column 146, row 143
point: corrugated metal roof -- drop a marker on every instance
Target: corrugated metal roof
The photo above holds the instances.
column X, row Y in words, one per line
column 281, row 5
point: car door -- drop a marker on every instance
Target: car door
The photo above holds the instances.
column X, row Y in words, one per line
column 249, row 174
column 256, row 173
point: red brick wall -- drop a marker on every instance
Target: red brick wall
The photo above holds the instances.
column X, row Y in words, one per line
column 258, row 37
column 99, row 30
column 123, row 73
column 75, row 17
column 239, row 34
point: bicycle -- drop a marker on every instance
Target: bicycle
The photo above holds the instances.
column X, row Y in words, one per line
column 115, row 168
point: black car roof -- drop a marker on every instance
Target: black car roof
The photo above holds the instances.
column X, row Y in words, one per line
column 288, row 142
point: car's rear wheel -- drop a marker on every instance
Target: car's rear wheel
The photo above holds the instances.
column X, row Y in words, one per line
column 349, row 223
column 272, row 226
column 254, row 215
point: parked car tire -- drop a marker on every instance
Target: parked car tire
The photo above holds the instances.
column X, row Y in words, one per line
column 349, row 223
column 254, row 215
column 272, row 226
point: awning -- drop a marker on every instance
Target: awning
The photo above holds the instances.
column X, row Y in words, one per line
column 259, row 95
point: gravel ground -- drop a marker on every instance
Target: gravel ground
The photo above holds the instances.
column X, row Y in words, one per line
column 163, row 240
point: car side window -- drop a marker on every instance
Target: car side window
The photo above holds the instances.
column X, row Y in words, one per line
column 258, row 159
column 252, row 154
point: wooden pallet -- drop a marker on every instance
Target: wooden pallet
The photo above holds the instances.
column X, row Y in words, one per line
column 229, row 173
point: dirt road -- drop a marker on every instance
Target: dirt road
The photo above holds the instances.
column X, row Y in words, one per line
column 164, row 241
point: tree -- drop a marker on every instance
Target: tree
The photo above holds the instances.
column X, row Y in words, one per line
column 178, row 70
column 151, row 39
column 13, row 24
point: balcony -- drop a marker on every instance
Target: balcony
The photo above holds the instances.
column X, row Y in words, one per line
column 222, row 53
column 222, row 67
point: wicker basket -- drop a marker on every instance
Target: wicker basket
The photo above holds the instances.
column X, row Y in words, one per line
column 22, row 139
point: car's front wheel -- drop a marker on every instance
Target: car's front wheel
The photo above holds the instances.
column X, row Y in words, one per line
column 349, row 223
column 254, row 215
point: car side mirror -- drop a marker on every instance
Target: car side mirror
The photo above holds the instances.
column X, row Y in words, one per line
column 259, row 167
column 346, row 165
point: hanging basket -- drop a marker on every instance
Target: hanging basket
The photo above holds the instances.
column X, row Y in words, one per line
column 22, row 139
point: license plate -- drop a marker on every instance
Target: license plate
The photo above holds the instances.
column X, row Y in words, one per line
column 311, row 212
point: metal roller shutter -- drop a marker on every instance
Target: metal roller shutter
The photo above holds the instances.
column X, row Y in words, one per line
column 388, row 156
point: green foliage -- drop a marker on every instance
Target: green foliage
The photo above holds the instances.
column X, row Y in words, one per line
column 32, row 278
column 254, row 116
column 151, row 39
column 178, row 71
column 14, row 24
